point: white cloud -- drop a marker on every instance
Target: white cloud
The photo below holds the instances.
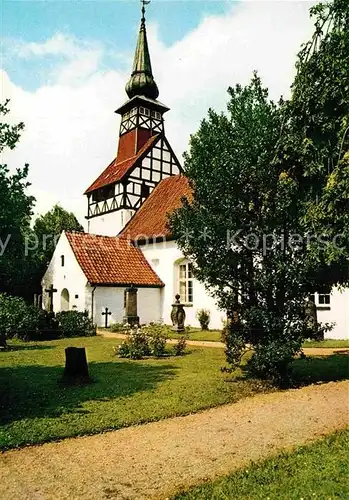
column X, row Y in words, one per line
column 71, row 131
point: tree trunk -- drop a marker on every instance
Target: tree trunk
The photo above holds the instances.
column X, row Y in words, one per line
column 2, row 340
column 76, row 363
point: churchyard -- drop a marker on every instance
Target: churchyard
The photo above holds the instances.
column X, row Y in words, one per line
column 37, row 407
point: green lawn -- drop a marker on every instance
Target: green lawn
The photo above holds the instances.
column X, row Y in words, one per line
column 319, row 470
column 34, row 407
column 331, row 343
column 197, row 334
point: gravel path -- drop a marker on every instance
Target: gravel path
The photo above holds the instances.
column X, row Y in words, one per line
column 157, row 459
column 309, row 351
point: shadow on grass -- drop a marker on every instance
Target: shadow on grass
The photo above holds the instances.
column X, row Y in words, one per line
column 30, row 391
column 321, row 369
column 30, row 347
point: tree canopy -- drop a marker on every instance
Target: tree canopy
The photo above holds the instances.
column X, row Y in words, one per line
column 16, row 208
column 268, row 223
column 46, row 231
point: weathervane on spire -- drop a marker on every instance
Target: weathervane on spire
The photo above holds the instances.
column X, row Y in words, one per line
column 144, row 3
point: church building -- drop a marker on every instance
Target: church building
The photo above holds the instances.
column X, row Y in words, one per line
column 127, row 241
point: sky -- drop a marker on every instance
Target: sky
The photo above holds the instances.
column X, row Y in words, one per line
column 64, row 65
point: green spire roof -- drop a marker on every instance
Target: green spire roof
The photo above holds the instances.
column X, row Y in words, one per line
column 142, row 81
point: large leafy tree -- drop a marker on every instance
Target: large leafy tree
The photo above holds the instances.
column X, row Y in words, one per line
column 319, row 117
column 237, row 228
column 15, row 213
column 267, row 181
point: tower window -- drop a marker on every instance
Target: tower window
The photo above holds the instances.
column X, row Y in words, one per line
column 144, row 111
column 145, row 190
column 62, row 260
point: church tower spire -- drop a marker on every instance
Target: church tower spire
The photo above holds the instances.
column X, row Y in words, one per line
column 142, row 80
column 144, row 157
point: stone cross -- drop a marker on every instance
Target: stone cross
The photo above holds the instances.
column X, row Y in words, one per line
column 50, row 292
column 106, row 313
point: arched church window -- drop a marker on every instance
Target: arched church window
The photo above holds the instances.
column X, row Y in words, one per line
column 185, row 281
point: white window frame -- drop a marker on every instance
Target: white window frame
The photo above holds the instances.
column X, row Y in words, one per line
column 185, row 282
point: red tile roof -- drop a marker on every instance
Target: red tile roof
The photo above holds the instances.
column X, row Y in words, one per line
column 150, row 221
column 116, row 170
column 109, row 260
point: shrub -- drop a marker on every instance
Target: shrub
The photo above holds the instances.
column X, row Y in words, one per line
column 157, row 344
column 136, row 346
column 20, row 320
column 180, row 346
column 272, row 360
column 204, row 317
column 158, row 335
column 75, row 324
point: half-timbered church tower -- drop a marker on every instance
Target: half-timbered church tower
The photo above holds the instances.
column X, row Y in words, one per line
column 144, row 155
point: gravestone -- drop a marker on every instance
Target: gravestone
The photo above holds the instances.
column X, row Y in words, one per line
column 131, row 317
column 76, row 368
column 178, row 315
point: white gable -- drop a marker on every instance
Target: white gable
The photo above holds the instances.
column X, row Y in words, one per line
column 65, row 274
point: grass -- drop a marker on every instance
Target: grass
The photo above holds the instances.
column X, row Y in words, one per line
column 197, row 334
column 319, row 470
column 216, row 336
column 331, row 343
column 35, row 408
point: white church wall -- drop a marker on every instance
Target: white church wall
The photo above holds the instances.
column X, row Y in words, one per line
column 336, row 312
column 109, row 224
column 164, row 258
column 149, row 305
column 106, row 296
column 69, row 277
column 113, row 298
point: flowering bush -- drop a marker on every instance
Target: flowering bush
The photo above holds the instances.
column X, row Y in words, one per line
column 136, row 346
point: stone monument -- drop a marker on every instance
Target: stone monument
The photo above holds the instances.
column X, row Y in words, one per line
column 131, row 317
column 178, row 315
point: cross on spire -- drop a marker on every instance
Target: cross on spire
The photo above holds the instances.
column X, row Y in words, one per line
column 142, row 82
column 144, row 3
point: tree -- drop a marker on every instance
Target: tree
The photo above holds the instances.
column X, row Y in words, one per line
column 15, row 212
column 237, row 227
column 46, row 231
column 319, row 116
column 267, row 181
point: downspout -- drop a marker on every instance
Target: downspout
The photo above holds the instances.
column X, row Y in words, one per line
column 92, row 301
